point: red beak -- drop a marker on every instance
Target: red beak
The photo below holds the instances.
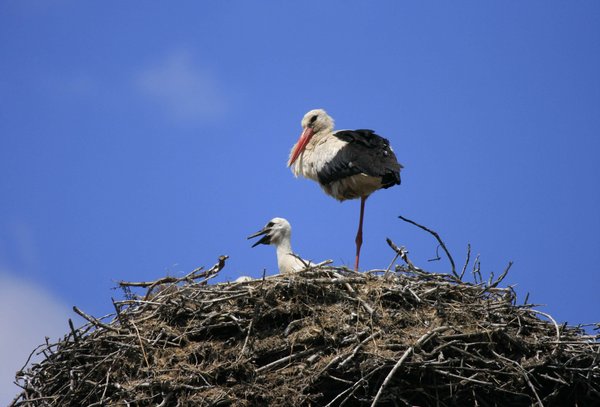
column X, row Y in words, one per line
column 301, row 144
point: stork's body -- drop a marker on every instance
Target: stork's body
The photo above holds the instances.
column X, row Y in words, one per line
column 347, row 164
column 278, row 232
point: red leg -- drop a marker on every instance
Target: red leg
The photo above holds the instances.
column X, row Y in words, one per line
column 358, row 239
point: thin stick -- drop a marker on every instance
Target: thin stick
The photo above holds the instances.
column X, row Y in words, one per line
column 504, row 273
column 105, row 385
column 439, row 241
column 352, row 388
column 141, row 345
column 323, row 263
column 477, row 270
column 73, row 332
column 286, row 359
column 166, row 399
column 95, row 321
column 406, row 354
column 403, row 253
column 553, row 321
column 358, row 347
column 246, row 340
column 119, row 316
column 467, row 261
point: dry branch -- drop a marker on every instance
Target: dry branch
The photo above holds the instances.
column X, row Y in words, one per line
column 435, row 234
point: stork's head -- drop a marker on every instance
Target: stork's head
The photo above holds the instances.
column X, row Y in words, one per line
column 313, row 122
column 274, row 232
column 317, row 120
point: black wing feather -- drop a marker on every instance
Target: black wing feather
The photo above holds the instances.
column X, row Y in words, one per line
column 365, row 153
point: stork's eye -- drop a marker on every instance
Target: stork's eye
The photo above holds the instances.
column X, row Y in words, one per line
column 313, row 119
column 270, row 224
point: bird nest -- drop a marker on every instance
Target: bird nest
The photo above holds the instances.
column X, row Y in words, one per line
column 326, row 336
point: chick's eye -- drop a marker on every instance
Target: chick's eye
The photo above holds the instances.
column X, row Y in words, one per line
column 270, row 224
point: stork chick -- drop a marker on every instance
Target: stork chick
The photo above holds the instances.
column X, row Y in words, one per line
column 278, row 232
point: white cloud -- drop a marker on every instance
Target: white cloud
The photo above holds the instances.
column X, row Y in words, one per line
column 28, row 314
column 187, row 93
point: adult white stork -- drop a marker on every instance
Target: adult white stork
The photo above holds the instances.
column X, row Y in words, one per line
column 278, row 232
column 347, row 164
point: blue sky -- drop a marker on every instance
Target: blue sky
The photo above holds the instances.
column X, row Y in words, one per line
column 141, row 139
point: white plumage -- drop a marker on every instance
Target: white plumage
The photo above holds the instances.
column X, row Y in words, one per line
column 278, row 232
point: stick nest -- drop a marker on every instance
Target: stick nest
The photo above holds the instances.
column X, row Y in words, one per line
column 323, row 337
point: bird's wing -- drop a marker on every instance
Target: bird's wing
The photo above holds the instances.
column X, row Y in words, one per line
column 364, row 153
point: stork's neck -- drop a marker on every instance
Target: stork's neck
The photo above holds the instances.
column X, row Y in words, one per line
column 320, row 150
column 318, row 137
column 284, row 247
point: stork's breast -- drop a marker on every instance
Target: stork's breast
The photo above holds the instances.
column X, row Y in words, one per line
column 352, row 187
column 319, row 152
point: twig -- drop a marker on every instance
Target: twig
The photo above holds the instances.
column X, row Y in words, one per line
column 105, row 385
column 214, row 270
column 403, row 253
column 387, row 271
column 286, row 359
column 501, row 277
column 437, row 254
column 73, row 332
column 462, row 273
column 193, row 275
column 357, row 348
column 246, row 340
column 166, row 399
column 95, row 321
column 141, row 345
column 164, row 280
column 350, row 391
column 477, row 270
column 342, row 394
column 406, row 354
column 305, row 263
column 438, row 239
column 553, row 321
column 118, row 311
column 469, row 379
column 21, row 370
column 323, row 263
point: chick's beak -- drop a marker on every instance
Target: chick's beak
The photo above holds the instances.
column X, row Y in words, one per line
column 266, row 239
